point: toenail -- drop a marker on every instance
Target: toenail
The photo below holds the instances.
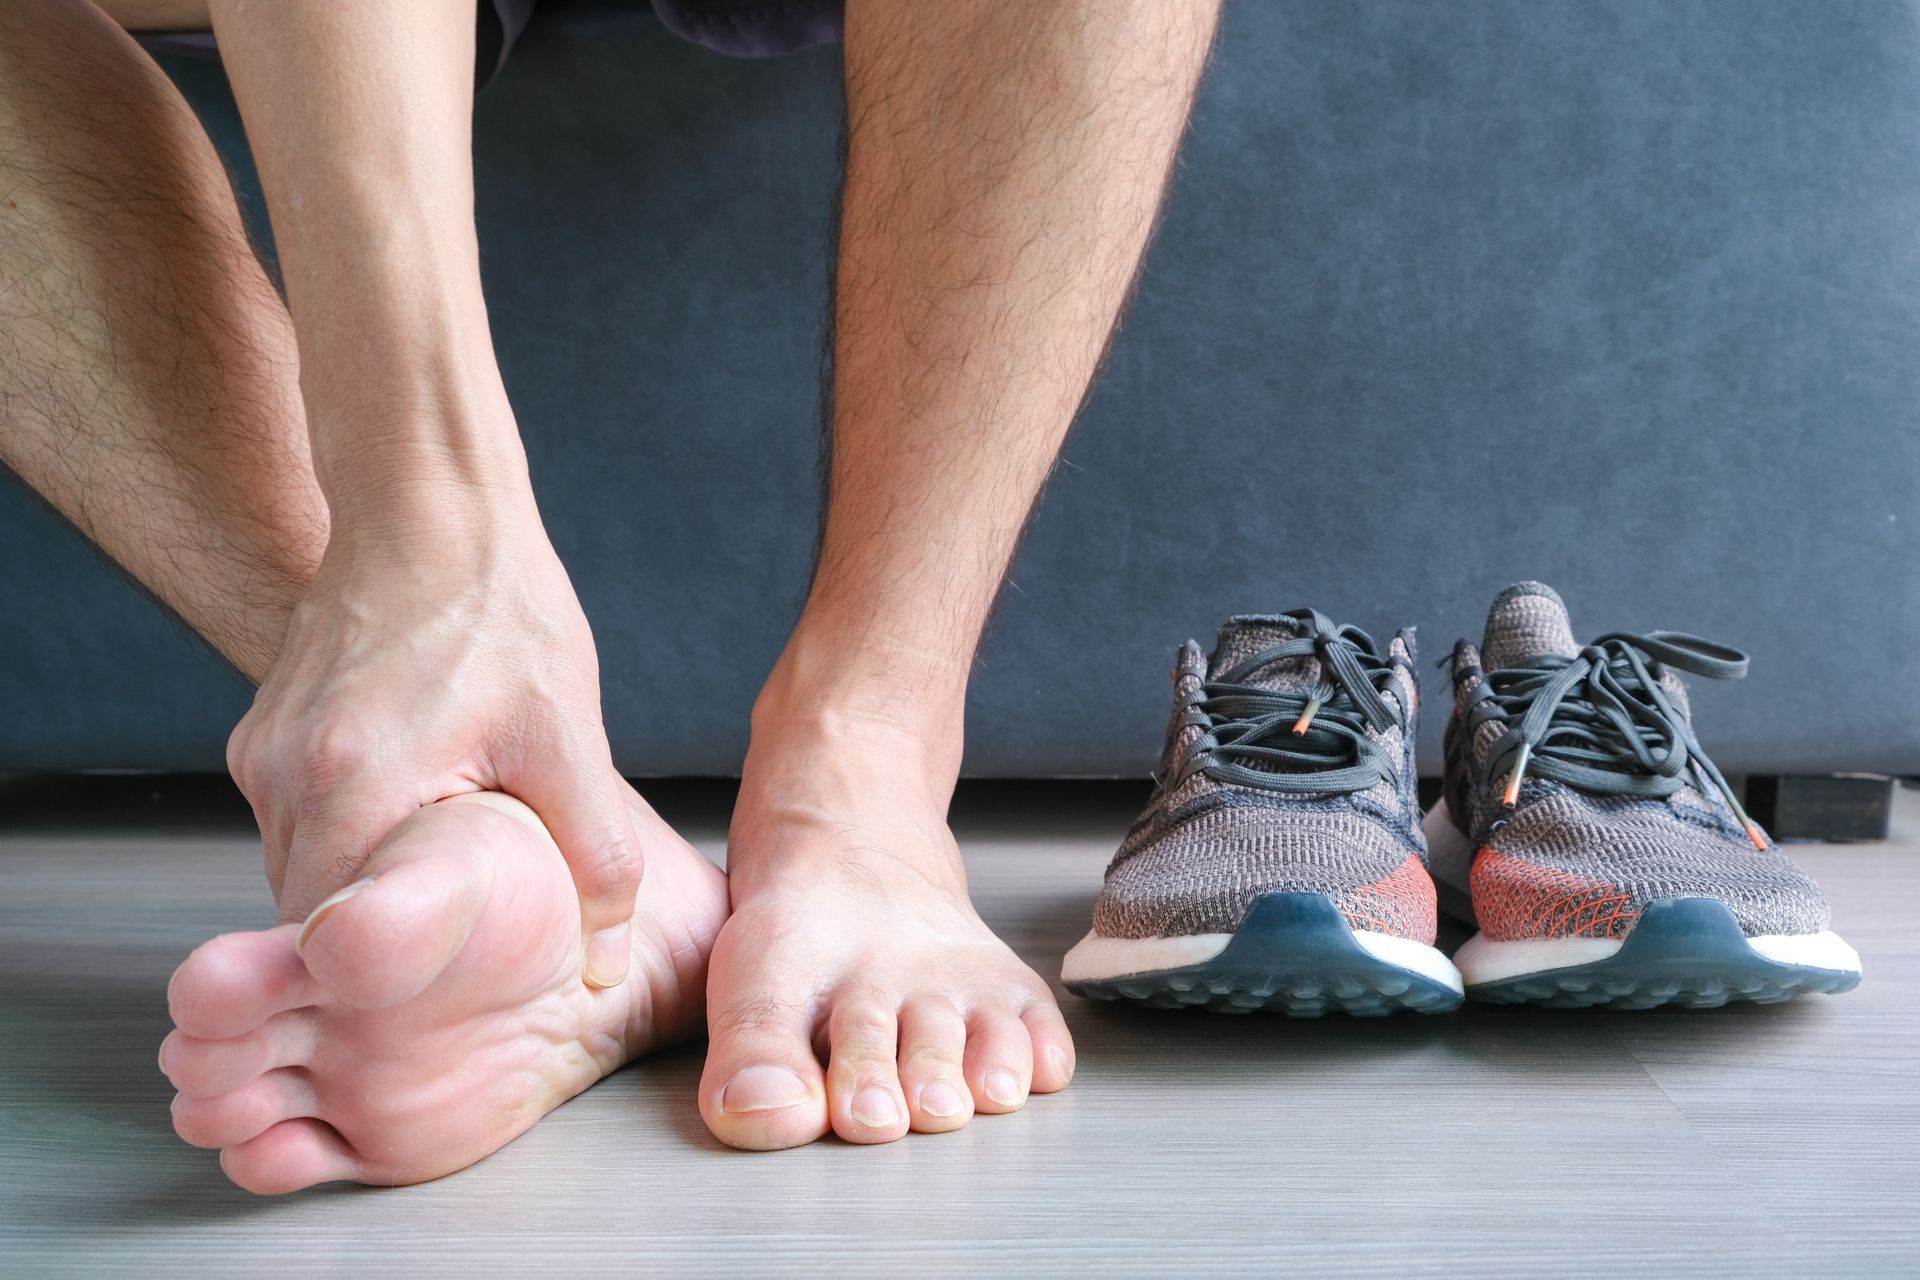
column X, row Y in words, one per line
column 609, row 953
column 762, row 1089
column 941, row 1100
column 321, row 912
column 875, row 1108
column 1061, row 1062
column 1003, row 1087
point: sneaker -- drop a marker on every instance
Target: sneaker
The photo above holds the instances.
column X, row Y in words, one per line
column 1601, row 855
column 1279, row 864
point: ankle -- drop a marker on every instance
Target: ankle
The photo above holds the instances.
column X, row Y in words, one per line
column 858, row 699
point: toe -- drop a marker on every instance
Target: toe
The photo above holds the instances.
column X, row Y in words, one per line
column 762, row 1089
column 234, row 983
column 863, row 1081
column 244, row 1114
column 999, row 1060
column 209, row 1068
column 291, row 1155
column 383, row 939
column 933, row 1044
column 1053, row 1056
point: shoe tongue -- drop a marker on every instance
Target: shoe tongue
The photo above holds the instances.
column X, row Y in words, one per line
column 1243, row 637
column 1527, row 620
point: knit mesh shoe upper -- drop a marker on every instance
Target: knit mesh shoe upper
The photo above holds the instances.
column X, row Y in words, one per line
column 1575, row 774
column 1247, row 806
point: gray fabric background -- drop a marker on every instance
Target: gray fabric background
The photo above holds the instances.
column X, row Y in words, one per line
column 1621, row 296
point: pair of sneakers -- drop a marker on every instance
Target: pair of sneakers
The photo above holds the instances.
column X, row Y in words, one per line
column 1282, row 862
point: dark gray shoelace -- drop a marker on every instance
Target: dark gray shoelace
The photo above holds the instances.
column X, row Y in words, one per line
column 1317, row 741
column 1601, row 722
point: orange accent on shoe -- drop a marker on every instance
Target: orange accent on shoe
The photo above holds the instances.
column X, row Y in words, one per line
column 1516, row 900
column 1400, row 903
column 1756, row 835
column 1306, row 717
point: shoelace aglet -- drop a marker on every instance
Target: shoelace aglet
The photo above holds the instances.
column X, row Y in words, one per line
column 1512, row 796
column 1306, row 718
column 1740, row 812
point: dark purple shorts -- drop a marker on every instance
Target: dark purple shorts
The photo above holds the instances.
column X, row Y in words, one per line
column 739, row 28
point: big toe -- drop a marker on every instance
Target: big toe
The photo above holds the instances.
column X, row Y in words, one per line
column 762, row 1089
column 383, row 939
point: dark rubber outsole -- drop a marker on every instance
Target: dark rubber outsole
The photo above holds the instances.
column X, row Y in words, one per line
column 1294, row 954
column 1682, row 951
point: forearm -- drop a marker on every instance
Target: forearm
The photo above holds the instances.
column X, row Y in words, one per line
column 360, row 121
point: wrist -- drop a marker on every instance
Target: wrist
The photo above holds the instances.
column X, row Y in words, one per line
column 417, row 447
column 430, row 517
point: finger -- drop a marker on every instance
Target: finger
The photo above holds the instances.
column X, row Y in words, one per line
column 335, row 832
column 383, row 939
column 584, row 805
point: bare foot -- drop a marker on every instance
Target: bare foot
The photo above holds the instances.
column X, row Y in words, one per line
column 432, row 1011
column 853, row 943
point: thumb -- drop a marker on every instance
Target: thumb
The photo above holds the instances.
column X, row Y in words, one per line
column 332, row 840
column 585, row 808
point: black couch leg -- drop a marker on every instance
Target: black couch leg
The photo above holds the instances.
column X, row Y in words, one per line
column 1815, row 807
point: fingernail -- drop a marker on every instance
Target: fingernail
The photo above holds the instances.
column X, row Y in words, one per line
column 162, row 1059
column 941, row 1100
column 875, row 1108
column 321, row 912
column 1061, row 1062
column 1003, row 1087
column 762, row 1089
column 609, row 952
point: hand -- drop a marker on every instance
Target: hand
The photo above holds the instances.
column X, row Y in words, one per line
column 429, row 659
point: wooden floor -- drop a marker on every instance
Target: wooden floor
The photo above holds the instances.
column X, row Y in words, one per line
column 1750, row 1140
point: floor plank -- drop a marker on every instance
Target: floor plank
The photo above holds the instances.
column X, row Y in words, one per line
column 1495, row 1142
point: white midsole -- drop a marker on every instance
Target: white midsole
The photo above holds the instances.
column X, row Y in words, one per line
column 1094, row 958
column 1098, row 959
column 1449, row 852
column 1483, row 960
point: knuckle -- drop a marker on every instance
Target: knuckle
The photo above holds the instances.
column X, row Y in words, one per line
column 346, row 864
column 244, row 763
column 333, row 751
column 608, row 867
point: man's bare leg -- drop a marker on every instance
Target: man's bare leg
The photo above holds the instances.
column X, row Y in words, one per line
column 149, row 384
column 148, row 390
column 1006, row 161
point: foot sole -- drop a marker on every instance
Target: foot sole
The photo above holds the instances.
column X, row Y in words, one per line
column 1682, row 951
column 1294, row 954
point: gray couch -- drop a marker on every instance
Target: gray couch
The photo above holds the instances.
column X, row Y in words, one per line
column 1624, row 296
